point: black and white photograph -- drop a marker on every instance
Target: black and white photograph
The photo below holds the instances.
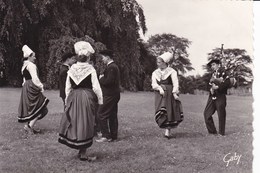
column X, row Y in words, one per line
column 129, row 86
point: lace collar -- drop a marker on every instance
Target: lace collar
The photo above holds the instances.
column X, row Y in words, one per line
column 80, row 71
column 163, row 74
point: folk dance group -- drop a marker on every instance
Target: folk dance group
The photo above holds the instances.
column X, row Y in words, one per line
column 91, row 101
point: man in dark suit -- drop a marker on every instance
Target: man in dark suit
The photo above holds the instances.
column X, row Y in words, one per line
column 218, row 101
column 67, row 60
column 107, row 113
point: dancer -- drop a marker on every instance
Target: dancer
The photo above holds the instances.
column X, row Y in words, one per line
column 168, row 108
column 33, row 104
column 83, row 94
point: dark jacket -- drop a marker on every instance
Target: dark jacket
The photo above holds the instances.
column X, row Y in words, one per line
column 110, row 82
column 223, row 86
column 62, row 80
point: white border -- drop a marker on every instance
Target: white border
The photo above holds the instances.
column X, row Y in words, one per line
column 256, row 88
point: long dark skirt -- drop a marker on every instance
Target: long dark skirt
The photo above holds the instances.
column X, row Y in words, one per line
column 168, row 111
column 77, row 123
column 33, row 104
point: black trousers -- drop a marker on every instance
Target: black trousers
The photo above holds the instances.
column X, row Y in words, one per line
column 107, row 116
column 212, row 106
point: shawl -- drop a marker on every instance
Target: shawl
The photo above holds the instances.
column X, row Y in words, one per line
column 162, row 75
column 80, row 71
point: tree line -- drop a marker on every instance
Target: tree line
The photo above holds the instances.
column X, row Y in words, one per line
column 51, row 27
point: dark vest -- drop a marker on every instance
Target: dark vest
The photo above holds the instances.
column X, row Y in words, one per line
column 223, row 87
column 26, row 74
column 85, row 83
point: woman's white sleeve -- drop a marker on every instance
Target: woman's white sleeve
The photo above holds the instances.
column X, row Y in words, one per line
column 23, row 81
column 175, row 82
column 155, row 85
column 96, row 87
column 33, row 72
column 67, row 86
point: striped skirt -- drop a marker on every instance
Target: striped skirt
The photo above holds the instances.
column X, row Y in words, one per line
column 168, row 111
column 77, row 123
column 33, row 104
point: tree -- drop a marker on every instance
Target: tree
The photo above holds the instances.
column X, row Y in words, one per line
column 202, row 82
column 65, row 44
column 187, row 84
column 39, row 23
column 236, row 61
column 161, row 43
column 148, row 63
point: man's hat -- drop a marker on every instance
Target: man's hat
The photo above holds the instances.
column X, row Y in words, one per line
column 67, row 56
column 217, row 61
column 107, row 52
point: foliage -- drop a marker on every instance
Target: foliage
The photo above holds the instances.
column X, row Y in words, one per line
column 189, row 84
column 237, row 63
column 42, row 23
column 148, row 63
column 59, row 47
column 161, row 43
column 186, row 84
column 202, row 82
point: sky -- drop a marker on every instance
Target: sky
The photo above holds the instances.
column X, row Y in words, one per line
column 206, row 23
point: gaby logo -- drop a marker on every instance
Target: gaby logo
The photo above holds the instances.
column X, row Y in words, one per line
column 230, row 158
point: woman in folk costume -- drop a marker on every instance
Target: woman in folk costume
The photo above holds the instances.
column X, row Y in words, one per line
column 168, row 109
column 83, row 94
column 33, row 104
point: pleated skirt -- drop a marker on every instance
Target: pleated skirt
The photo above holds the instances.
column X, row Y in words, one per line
column 77, row 123
column 32, row 103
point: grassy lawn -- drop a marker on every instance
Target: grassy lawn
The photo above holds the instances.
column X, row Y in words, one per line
column 141, row 147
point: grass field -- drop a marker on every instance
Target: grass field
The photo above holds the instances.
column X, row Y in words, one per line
column 141, row 147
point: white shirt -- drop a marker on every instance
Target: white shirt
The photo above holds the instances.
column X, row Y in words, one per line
column 31, row 67
column 159, row 75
